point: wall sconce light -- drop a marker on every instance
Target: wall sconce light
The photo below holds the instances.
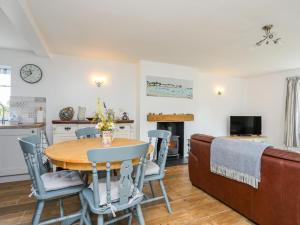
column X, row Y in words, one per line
column 220, row 91
column 99, row 81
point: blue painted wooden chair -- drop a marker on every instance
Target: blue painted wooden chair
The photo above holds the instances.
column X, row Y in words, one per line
column 86, row 132
column 110, row 195
column 89, row 132
column 36, row 141
column 49, row 186
column 155, row 170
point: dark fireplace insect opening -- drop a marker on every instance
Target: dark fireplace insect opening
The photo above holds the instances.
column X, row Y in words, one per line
column 176, row 145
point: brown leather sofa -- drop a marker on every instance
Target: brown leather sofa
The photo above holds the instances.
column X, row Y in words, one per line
column 277, row 199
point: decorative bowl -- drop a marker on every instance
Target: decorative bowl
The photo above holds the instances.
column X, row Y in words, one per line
column 66, row 114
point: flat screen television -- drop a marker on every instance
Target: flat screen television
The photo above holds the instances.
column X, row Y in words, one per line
column 245, row 125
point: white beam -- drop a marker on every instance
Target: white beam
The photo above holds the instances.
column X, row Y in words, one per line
column 20, row 16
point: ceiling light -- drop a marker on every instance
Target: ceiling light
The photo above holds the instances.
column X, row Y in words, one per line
column 268, row 37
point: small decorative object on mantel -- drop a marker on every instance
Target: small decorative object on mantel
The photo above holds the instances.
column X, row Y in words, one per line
column 125, row 116
column 66, row 114
column 81, row 113
column 105, row 119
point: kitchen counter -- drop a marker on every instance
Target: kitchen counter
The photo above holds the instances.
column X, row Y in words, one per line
column 9, row 125
column 12, row 163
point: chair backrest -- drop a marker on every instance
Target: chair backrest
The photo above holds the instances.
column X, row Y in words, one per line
column 36, row 140
column 31, row 156
column 87, row 132
column 160, row 139
column 125, row 155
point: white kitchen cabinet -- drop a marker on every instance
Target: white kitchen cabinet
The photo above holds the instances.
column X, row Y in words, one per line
column 11, row 157
column 66, row 131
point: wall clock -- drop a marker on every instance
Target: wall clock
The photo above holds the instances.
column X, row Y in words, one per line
column 31, row 73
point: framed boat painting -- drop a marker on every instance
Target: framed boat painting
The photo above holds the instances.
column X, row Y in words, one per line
column 169, row 87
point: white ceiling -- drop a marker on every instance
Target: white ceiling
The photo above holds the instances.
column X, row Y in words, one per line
column 9, row 37
column 217, row 36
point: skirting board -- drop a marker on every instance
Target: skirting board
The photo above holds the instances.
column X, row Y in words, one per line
column 14, row 178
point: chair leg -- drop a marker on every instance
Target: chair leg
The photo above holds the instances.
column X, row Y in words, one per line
column 152, row 190
column 130, row 217
column 61, row 207
column 140, row 216
column 162, row 186
column 38, row 212
column 83, row 212
column 115, row 173
column 100, row 220
column 130, row 220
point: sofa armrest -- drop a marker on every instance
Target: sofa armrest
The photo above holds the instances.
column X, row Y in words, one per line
column 202, row 137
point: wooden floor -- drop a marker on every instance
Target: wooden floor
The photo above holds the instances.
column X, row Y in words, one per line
column 190, row 205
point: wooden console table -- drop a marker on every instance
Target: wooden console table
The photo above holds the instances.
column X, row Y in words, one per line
column 65, row 130
column 254, row 138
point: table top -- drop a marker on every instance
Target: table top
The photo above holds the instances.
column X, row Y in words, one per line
column 73, row 154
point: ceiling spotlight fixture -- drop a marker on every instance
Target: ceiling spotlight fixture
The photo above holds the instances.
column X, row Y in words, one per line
column 269, row 36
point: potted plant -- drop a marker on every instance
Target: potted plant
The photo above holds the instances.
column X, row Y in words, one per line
column 105, row 122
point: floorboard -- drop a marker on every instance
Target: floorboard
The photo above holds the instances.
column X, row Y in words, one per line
column 190, row 205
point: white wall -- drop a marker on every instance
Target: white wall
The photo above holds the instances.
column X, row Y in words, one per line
column 211, row 111
column 266, row 97
column 67, row 81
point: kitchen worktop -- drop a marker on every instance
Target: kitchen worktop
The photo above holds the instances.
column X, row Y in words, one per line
column 12, row 125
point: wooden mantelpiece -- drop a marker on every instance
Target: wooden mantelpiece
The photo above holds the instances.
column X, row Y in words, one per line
column 170, row 117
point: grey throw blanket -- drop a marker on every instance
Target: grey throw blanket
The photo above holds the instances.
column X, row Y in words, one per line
column 238, row 160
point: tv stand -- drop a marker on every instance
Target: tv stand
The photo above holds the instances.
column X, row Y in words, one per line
column 255, row 138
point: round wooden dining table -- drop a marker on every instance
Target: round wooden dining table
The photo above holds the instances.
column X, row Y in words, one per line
column 73, row 154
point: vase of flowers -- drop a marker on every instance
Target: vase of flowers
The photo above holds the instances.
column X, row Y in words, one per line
column 105, row 122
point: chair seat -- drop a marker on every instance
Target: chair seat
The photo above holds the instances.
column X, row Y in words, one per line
column 88, row 195
column 114, row 190
column 151, row 168
column 60, row 180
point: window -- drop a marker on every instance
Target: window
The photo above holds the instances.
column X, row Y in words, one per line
column 5, row 89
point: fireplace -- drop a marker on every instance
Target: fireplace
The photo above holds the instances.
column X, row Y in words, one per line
column 176, row 145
